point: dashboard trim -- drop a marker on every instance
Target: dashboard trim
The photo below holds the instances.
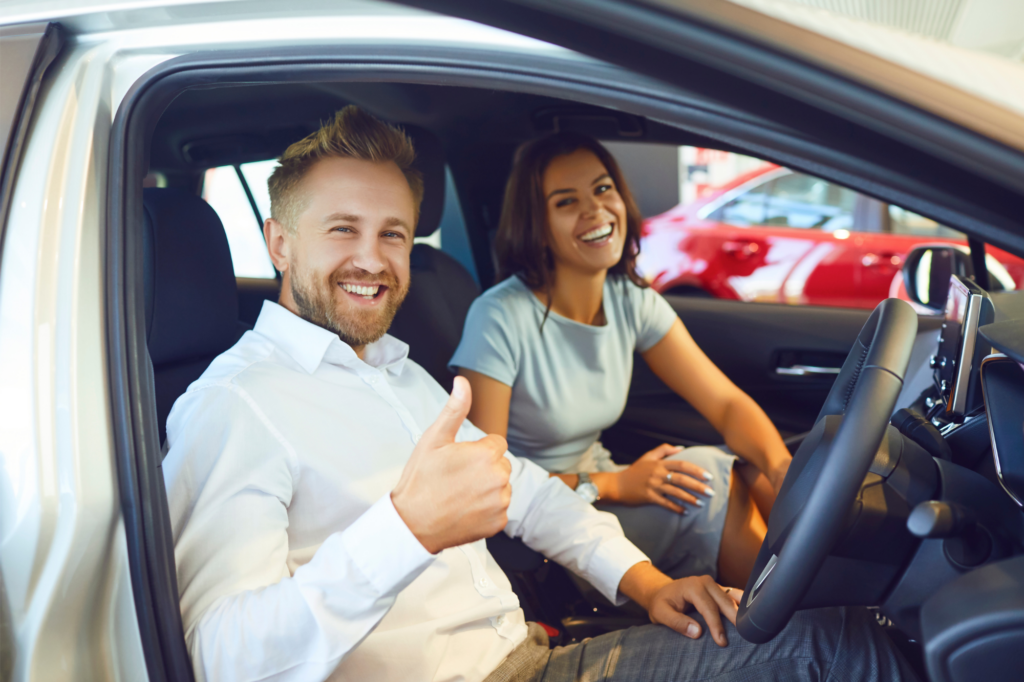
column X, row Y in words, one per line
column 992, row 440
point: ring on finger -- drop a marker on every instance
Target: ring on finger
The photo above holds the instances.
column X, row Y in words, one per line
column 668, row 477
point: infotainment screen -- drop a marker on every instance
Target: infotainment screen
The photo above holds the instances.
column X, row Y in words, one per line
column 967, row 306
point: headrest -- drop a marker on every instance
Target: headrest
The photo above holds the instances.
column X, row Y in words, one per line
column 191, row 298
column 429, row 162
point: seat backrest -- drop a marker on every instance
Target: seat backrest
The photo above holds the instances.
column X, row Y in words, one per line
column 431, row 318
column 190, row 293
column 441, row 290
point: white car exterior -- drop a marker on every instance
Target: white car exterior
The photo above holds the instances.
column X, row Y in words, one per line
column 67, row 610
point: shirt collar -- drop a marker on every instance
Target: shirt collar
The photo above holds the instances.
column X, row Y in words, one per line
column 310, row 345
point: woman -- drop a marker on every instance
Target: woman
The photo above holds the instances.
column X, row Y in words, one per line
column 549, row 351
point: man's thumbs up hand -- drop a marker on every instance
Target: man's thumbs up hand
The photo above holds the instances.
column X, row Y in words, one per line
column 453, row 493
column 444, row 429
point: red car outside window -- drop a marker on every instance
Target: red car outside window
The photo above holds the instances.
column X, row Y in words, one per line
column 775, row 235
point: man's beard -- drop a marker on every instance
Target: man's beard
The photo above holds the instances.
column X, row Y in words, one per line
column 317, row 303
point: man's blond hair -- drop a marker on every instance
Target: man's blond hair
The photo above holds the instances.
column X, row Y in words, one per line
column 352, row 133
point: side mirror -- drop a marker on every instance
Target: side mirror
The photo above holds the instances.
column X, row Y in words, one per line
column 927, row 269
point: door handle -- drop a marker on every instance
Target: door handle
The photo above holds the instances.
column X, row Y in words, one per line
column 873, row 260
column 741, row 249
column 806, row 371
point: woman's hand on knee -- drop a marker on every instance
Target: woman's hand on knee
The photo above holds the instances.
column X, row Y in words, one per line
column 653, row 479
column 711, row 600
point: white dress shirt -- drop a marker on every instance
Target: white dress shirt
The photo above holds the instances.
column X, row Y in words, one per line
column 292, row 561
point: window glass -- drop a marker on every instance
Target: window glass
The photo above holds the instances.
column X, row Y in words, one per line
column 902, row 221
column 224, row 192
column 731, row 235
column 256, row 175
column 453, row 227
column 804, row 201
column 746, row 209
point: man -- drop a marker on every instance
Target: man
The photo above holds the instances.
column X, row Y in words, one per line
column 330, row 503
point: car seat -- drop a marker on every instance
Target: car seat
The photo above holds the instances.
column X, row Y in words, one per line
column 441, row 290
column 191, row 300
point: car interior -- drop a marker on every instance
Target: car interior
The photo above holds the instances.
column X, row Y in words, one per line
column 964, row 512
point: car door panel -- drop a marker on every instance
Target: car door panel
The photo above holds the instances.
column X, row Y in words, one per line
column 748, row 342
column 751, row 343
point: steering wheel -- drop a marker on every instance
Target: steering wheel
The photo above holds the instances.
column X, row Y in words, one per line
column 810, row 512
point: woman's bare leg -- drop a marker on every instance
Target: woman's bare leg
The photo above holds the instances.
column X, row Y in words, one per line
column 760, row 488
column 742, row 536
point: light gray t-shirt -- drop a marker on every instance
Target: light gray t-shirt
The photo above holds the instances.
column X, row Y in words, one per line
column 570, row 382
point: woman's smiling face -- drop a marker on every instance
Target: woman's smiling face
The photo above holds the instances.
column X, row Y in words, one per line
column 586, row 213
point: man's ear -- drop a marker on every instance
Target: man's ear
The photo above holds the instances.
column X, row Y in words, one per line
column 278, row 244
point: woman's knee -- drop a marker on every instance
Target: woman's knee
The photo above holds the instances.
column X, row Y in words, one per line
column 714, row 461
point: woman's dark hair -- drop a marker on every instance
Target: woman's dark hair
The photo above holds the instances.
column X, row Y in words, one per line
column 521, row 246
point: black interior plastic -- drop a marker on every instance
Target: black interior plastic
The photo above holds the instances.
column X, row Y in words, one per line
column 1003, row 382
column 974, row 626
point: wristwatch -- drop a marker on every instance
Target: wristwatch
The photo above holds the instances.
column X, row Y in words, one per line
column 586, row 489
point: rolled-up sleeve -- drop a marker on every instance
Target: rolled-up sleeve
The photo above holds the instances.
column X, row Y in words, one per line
column 229, row 478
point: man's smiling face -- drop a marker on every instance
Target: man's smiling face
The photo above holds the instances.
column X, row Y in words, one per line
column 346, row 266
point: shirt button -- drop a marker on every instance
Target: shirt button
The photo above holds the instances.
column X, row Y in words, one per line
column 484, row 582
column 501, row 620
column 371, row 380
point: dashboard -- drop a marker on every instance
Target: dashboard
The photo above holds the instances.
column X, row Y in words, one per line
column 977, row 398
